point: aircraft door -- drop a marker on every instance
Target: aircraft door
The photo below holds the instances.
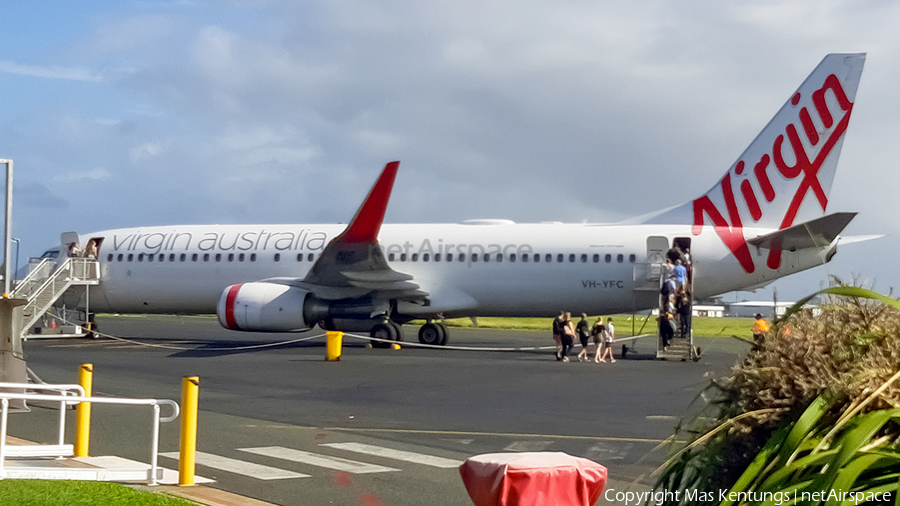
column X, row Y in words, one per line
column 647, row 272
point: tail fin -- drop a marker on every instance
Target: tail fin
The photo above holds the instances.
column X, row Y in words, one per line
column 785, row 174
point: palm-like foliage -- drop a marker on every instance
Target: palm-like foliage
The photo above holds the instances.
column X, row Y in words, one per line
column 813, row 408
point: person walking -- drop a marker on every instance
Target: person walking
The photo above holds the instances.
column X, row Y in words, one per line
column 567, row 337
column 584, row 335
column 760, row 329
column 597, row 331
column 609, row 337
column 557, row 332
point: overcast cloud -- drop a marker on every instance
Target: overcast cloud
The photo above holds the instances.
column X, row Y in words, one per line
column 139, row 113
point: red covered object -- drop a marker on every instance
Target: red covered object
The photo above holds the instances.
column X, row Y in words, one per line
column 532, row 479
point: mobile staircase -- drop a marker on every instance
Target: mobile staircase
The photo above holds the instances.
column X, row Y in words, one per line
column 47, row 282
column 681, row 346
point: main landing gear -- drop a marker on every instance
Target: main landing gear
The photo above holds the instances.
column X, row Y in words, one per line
column 389, row 331
column 433, row 333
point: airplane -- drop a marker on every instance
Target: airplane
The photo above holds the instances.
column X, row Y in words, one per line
column 763, row 220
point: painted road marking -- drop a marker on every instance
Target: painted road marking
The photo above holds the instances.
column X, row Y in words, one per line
column 378, row 451
column 250, row 469
column 314, row 459
column 528, row 446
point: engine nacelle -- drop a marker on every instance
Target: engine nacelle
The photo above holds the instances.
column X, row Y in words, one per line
column 263, row 307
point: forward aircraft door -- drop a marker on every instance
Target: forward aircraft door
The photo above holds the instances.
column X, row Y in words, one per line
column 647, row 273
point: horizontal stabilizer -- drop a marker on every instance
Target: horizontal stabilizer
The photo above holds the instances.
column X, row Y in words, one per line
column 818, row 233
column 379, row 276
column 852, row 239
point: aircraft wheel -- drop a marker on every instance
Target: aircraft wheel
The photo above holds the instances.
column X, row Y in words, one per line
column 444, row 334
column 432, row 333
column 383, row 331
column 399, row 329
column 624, row 351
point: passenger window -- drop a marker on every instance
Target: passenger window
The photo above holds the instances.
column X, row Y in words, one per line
column 462, row 257
column 172, row 257
column 141, row 257
column 130, row 257
column 183, row 257
column 425, row 257
column 608, row 258
column 121, row 256
column 571, row 257
column 252, row 257
column 474, row 257
column 499, row 257
column 487, row 257
column 206, row 257
column 109, row 258
column 559, row 257
column 277, row 257
column 596, row 258
column 583, row 258
column 231, row 257
column 620, row 258
column 218, row 257
column 402, row 257
column 194, row 257
column 415, row 257
column 241, row 257
column 391, row 257
column 437, row 257
column 525, row 257
column 310, row 257
column 162, row 258
column 632, row 258
column 548, row 258
column 150, row 258
column 512, row 257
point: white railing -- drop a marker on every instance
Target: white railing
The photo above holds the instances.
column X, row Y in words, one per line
column 37, row 274
column 70, row 271
column 64, row 399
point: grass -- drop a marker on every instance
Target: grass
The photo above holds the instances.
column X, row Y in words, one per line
column 703, row 326
column 80, row 493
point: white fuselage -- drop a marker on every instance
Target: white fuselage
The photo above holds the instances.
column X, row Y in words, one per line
column 588, row 268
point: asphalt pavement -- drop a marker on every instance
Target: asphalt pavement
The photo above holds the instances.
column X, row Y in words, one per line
column 380, row 427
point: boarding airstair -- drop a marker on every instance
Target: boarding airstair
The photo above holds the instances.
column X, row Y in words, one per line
column 681, row 346
column 48, row 281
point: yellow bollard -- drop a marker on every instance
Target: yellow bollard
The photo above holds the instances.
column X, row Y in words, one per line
column 190, row 389
column 333, row 345
column 83, row 412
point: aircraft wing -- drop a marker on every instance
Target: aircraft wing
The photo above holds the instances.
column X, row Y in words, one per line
column 818, row 233
column 352, row 265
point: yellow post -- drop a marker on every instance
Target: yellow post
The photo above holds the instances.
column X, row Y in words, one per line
column 190, row 389
column 83, row 412
column 333, row 345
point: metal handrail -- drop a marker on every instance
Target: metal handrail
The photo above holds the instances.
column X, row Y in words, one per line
column 66, row 270
column 64, row 391
column 34, row 277
column 65, row 399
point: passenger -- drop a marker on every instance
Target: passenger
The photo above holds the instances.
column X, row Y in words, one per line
column 680, row 275
column 74, row 250
column 90, row 251
column 666, row 329
column 760, row 329
column 584, row 334
column 597, row 332
column 557, row 332
column 684, row 313
column 609, row 336
column 567, row 336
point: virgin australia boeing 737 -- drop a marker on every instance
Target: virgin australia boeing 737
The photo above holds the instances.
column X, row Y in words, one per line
column 765, row 218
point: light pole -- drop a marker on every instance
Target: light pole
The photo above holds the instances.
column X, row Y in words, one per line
column 15, row 273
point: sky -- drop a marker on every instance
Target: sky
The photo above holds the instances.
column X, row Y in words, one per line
column 137, row 113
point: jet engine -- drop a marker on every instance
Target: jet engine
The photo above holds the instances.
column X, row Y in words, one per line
column 263, row 307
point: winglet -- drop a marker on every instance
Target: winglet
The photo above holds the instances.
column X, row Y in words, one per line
column 366, row 223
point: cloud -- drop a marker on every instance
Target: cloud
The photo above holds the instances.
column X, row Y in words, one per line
column 35, row 195
column 97, row 174
column 51, row 72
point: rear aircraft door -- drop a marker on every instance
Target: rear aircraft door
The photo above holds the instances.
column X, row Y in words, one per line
column 647, row 272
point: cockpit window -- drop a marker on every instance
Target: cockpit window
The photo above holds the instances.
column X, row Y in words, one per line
column 52, row 253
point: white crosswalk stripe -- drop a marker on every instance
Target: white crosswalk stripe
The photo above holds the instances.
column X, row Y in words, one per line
column 314, row 459
column 378, row 451
column 250, row 469
column 528, row 446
